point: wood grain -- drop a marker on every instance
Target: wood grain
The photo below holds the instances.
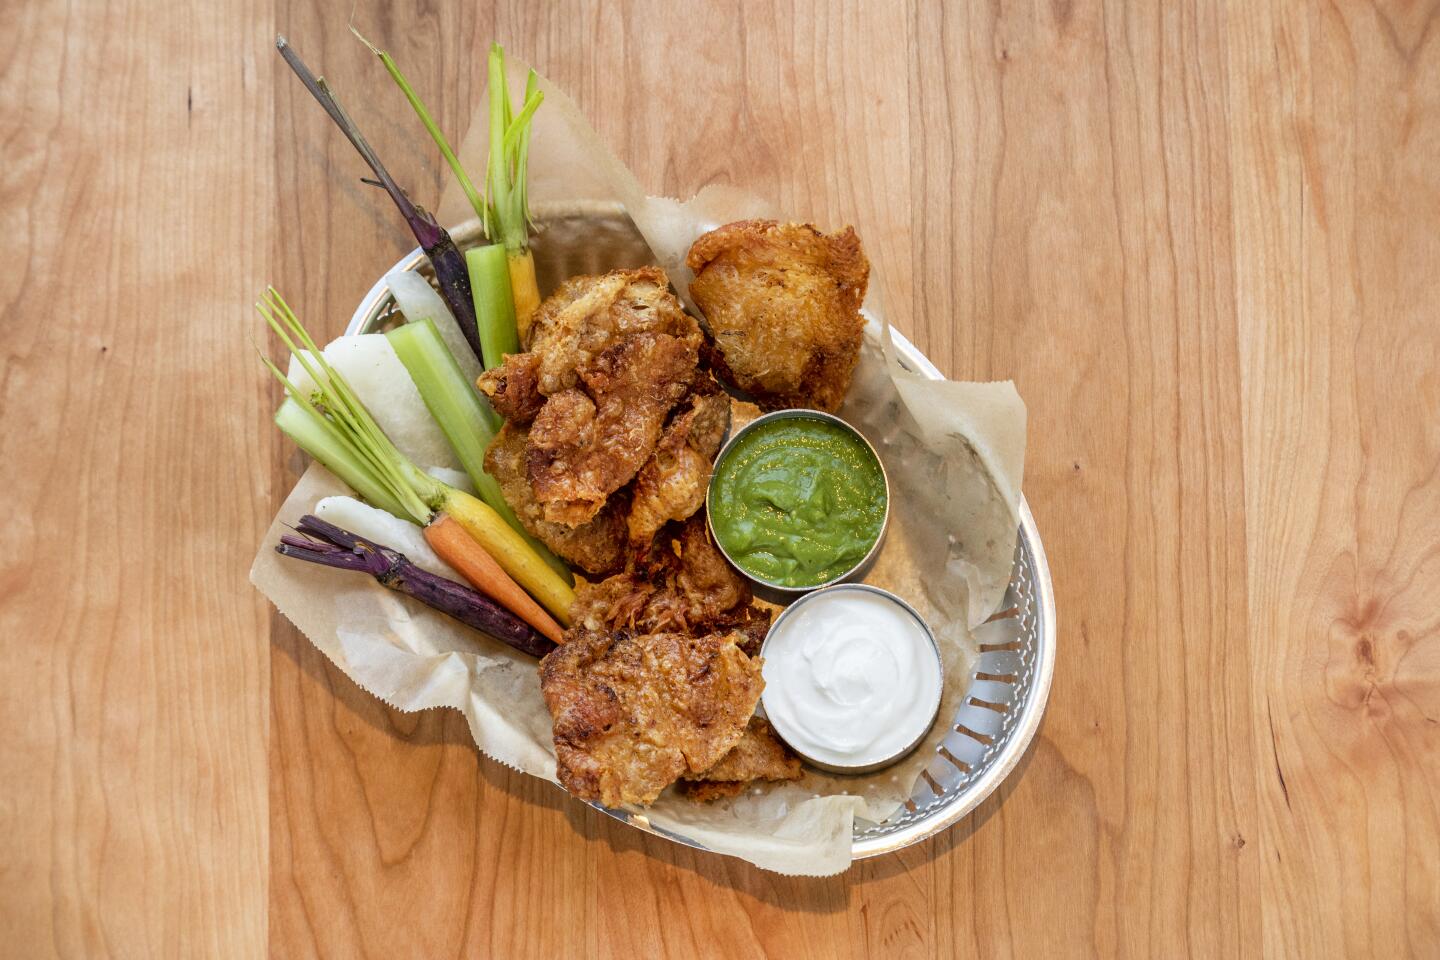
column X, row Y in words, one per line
column 1204, row 239
column 135, row 456
column 1087, row 255
column 1338, row 214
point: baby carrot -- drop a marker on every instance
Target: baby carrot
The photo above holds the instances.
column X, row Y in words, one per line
column 457, row 548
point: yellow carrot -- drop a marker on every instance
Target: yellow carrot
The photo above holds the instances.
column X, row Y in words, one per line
column 456, row 547
column 509, row 549
column 524, row 289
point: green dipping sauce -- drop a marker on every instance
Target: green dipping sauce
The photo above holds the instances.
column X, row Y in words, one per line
column 797, row 501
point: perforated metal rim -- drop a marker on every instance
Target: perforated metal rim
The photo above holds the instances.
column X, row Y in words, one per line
column 1001, row 710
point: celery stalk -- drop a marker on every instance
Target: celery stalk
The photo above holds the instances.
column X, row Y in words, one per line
column 497, row 180
column 466, row 420
column 464, row 417
column 316, row 437
column 494, row 302
column 507, row 215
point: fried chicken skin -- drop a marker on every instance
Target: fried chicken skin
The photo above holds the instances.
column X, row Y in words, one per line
column 683, row 583
column 634, row 712
column 589, row 315
column 513, row 388
column 597, row 546
column 672, row 483
column 659, row 677
column 782, row 305
column 587, row 443
column 759, row 755
column 609, row 357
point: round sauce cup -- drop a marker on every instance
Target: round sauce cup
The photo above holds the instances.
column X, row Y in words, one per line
column 798, row 500
column 853, row 678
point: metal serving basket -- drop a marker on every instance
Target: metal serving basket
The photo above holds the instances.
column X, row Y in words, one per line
column 1001, row 710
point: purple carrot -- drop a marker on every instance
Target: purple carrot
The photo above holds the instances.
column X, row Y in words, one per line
column 451, row 274
column 327, row 544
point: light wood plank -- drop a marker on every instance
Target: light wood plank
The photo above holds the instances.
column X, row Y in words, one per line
column 1338, row 208
column 1082, row 247
column 134, row 454
column 1201, row 238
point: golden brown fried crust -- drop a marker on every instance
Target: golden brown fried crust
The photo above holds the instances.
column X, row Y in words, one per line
column 596, row 546
column 712, row 415
column 672, row 483
column 683, row 583
column 658, row 677
column 588, row 315
column 633, row 712
column 609, row 358
column 710, row 587
column 585, row 445
column 758, row 755
column 753, row 622
column 670, row 486
column 741, row 413
column 513, row 388
column 782, row 307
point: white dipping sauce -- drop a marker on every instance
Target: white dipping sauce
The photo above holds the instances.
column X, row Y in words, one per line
column 852, row 677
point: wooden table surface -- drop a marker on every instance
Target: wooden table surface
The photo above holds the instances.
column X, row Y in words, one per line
column 1203, row 239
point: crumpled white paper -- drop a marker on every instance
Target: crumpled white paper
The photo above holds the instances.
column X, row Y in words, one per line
column 954, row 453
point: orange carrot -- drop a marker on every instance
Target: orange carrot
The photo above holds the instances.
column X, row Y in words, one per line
column 457, row 548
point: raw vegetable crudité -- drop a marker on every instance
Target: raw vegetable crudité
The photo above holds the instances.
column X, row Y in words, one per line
column 317, row 541
column 482, row 539
column 466, row 419
column 444, row 373
column 508, row 213
column 466, row 532
column 502, row 273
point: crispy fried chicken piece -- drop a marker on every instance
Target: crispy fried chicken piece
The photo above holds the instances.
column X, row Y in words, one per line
column 782, row 304
column 671, row 485
column 683, row 583
column 596, row 546
column 585, row 445
column 585, row 317
column 633, row 712
column 752, row 621
column 759, row 755
column 741, row 413
column 514, row 388
column 588, row 315
column 703, row 578
column 609, row 356
column 712, row 415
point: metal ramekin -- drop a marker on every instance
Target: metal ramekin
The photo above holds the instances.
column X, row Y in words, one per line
column 900, row 754
column 778, row 593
